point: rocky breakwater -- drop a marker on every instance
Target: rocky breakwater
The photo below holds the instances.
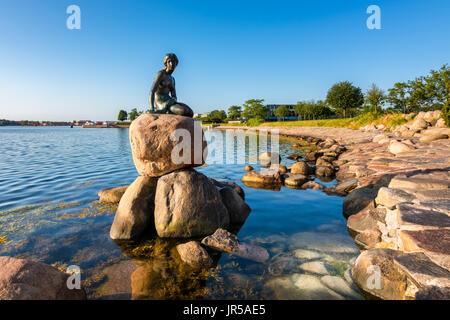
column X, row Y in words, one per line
column 398, row 210
column 170, row 199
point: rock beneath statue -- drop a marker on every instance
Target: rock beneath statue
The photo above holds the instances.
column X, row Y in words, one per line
column 22, row 279
column 134, row 215
column 112, row 195
column 152, row 144
column 188, row 204
column 194, row 254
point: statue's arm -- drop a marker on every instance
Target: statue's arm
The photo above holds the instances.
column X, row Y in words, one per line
column 155, row 85
column 173, row 92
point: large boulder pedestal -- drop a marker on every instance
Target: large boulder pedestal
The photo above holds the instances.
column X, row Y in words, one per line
column 170, row 199
column 154, row 140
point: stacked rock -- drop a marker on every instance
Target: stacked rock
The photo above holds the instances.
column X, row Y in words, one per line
column 170, row 198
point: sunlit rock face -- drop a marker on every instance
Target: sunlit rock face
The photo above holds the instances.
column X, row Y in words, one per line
column 154, row 139
column 134, row 214
column 22, row 279
column 188, row 204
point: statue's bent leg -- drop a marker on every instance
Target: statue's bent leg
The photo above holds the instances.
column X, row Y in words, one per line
column 181, row 109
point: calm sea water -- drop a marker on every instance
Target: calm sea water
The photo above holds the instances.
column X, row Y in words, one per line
column 49, row 212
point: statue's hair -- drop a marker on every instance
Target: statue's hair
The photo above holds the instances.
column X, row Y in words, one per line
column 171, row 56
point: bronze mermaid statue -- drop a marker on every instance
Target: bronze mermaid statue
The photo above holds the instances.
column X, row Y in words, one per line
column 163, row 97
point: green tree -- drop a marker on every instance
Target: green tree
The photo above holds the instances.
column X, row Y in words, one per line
column 322, row 110
column 234, row 112
column 123, row 115
column 254, row 108
column 300, row 109
column 345, row 98
column 374, row 100
column 398, row 97
column 445, row 113
column 282, row 111
column 133, row 114
column 437, row 87
column 423, row 93
column 217, row 116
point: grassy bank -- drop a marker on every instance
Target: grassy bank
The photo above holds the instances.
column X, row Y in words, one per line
column 389, row 120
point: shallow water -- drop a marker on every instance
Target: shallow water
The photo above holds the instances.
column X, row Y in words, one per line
column 49, row 179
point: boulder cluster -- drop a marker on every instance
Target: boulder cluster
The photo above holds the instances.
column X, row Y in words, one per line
column 170, row 199
column 322, row 163
column 427, row 126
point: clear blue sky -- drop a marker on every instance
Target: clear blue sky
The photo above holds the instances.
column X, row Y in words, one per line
column 229, row 51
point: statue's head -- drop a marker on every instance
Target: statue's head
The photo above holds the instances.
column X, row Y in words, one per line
column 170, row 62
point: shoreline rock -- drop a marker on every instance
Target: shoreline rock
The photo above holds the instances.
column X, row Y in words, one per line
column 22, row 279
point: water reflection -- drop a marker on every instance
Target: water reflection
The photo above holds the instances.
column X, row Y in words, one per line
column 160, row 272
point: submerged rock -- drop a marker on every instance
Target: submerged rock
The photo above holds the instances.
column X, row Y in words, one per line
column 282, row 264
column 194, row 254
column 188, row 204
column 312, row 288
column 225, row 241
column 222, row 240
column 339, row 285
column 323, row 241
column 28, row 280
column 252, row 252
column 303, row 254
column 317, row 267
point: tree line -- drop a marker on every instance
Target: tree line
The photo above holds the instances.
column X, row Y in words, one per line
column 430, row 92
column 133, row 114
